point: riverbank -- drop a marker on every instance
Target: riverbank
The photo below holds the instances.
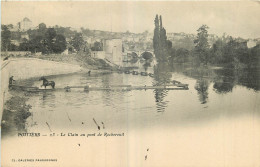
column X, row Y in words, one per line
column 26, row 68
column 80, row 59
column 15, row 113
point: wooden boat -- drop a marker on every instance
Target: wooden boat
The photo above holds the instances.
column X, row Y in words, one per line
column 127, row 72
column 144, row 73
column 135, row 72
column 151, row 75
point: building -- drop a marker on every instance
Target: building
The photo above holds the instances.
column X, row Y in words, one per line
column 113, row 49
column 25, row 36
column 25, row 24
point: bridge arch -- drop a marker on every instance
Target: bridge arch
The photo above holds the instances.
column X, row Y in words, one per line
column 134, row 54
column 147, row 55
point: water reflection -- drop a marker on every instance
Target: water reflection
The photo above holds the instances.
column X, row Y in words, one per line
column 202, row 86
column 139, row 108
column 224, row 81
column 146, row 65
column 162, row 76
column 250, row 77
column 47, row 98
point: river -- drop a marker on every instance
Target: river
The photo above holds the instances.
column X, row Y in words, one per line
column 214, row 123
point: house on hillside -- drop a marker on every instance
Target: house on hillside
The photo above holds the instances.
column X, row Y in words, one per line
column 25, row 24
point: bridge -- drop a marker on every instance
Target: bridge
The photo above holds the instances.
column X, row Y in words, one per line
column 141, row 53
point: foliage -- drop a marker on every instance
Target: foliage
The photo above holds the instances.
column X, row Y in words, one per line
column 42, row 27
column 5, row 38
column 77, row 42
column 186, row 42
column 231, row 52
column 202, row 45
column 160, row 43
column 45, row 40
column 15, row 113
column 254, row 56
column 97, row 46
column 59, row 44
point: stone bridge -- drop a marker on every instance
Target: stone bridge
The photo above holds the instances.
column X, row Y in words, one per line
column 140, row 53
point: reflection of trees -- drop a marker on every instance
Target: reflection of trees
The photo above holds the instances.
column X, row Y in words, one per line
column 250, row 78
column 224, row 81
column 106, row 94
column 162, row 76
column 48, row 98
column 109, row 97
column 203, row 74
column 202, row 86
column 146, row 65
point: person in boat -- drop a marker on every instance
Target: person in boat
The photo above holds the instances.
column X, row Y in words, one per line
column 89, row 72
column 11, row 81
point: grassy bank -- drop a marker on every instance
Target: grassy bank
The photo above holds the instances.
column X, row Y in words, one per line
column 79, row 59
column 15, row 113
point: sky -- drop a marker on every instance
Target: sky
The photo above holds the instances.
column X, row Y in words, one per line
column 235, row 18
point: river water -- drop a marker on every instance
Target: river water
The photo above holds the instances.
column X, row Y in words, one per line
column 214, row 95
column 214, row 123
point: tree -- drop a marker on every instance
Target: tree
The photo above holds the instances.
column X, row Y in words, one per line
column 49, row 38
column 217, row 52
column 59, row 44
column 97, row 46
column 5, row 38
column 160, row 43
column 42, row 28
column 36, row 44
column 77, row 42
column 156, row 37
column 182, row 55
column 254, row 58
column 24, row 46
column 236, row 52
column 202, row 45
column 10, row 26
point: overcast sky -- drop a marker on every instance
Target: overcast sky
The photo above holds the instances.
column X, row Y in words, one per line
column 234, row 18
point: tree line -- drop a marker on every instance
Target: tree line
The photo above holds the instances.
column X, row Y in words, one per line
column 46, row 40
column 225, row 51
column 43, row 39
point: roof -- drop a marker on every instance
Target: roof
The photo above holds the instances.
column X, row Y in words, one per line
column 26, row 19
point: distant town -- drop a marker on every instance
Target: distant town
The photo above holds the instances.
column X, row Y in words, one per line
column 24, row 38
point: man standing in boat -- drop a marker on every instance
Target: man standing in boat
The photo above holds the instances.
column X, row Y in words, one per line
column 11, row 80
